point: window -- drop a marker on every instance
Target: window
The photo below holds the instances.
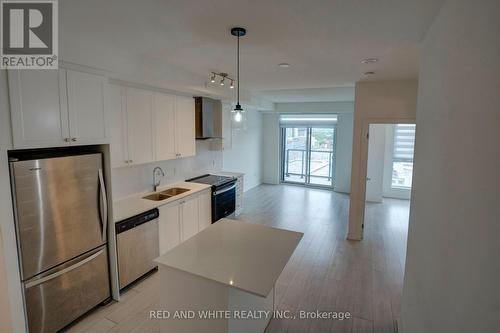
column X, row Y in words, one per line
column 308, row 148
column 402, row 158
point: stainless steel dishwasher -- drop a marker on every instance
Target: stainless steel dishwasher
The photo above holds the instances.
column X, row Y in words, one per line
column 137, row 245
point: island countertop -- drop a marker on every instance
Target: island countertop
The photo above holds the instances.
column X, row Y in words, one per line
column 241, row 255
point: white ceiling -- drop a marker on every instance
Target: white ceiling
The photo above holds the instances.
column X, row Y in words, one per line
column 176, row 43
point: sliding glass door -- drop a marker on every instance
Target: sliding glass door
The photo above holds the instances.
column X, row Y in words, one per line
column 295, row 154
column 308, row 149
column 321, row 156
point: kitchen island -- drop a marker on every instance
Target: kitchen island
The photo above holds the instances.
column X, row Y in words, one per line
column 222, row 279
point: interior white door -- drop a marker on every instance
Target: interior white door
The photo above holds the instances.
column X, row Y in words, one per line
column 87, row 118
column 38, row 108
column 140, row 126
column 185, row 129
column 189, row 217
column 169, row 226
column 164, row 126
column 115, row 106
column 204, row 209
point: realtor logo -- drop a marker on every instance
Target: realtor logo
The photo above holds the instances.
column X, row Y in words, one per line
column 29, row 34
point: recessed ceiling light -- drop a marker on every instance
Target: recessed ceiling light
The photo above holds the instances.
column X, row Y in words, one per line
column 369, row 60
column 284, row 65
column 369, row 73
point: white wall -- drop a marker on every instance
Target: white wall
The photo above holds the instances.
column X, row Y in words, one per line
column 452, row 267
column 376, row 159
column 376, row 102
column 139, row 178
column 245, row 154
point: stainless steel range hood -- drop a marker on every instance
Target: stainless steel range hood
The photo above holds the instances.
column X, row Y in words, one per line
column 208, row 118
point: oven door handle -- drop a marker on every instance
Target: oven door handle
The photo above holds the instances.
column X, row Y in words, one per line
column 225, row 190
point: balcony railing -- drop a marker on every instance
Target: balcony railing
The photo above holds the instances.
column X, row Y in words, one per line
column 321, row 163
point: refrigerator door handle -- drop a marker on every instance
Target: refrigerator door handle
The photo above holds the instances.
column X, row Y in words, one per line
column 63, row 271
column 103, row 205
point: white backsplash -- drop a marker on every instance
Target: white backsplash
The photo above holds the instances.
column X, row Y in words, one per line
column 139, row 178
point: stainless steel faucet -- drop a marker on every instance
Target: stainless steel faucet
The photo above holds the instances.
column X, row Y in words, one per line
column 157, row 171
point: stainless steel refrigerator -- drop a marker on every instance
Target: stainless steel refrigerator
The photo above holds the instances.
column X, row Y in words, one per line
column 61, row 222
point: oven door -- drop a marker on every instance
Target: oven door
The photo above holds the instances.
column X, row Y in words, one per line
column 223, row 201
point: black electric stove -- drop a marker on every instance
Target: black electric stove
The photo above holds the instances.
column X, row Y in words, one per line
column 223, row 194
column 213, row 180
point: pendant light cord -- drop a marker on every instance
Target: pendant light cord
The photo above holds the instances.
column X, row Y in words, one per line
column 238, row 67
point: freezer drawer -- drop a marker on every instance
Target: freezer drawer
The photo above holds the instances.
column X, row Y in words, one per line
column 59, row 296
column 137, row 248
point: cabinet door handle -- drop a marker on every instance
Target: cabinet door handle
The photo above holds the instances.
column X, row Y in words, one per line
column 66, row 139
column 73, row 139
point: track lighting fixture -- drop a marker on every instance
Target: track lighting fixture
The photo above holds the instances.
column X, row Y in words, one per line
column 223, row 77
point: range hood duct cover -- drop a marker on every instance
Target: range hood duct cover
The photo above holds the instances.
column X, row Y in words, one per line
column 208, row 113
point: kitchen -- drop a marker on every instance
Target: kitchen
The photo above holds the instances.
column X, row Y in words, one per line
column 76, row 136
column 194, row 166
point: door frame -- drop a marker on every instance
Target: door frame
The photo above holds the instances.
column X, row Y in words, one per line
column 357, row 200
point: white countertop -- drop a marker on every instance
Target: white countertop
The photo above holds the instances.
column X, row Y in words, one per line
column 229, row 173
column 238, row 254
column 135, row 204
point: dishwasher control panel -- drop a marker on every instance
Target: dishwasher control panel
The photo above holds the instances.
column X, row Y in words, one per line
column 137, row 220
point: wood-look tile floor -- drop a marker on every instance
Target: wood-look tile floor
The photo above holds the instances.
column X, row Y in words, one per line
column 326, row 272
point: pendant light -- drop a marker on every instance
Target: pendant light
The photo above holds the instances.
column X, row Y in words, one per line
column 238, row 111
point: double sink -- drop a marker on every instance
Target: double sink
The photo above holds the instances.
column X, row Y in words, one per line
column 169, row 193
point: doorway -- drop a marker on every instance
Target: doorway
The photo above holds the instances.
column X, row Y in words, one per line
column 308, row 149
column 390, row 161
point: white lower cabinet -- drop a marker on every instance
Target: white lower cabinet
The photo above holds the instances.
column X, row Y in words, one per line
column 190, row 217
column 205, row 210
column 169, row 226
column 184, row 218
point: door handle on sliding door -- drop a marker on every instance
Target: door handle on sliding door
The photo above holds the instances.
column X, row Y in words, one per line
column 103, row 205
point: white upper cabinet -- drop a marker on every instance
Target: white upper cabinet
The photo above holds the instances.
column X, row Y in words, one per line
column 139, row 106
column 87, row 120
column 38, row 108
column 51, row 108
column 185, row 129
column 164, row 127
column 115, row 105
column 148, row 126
